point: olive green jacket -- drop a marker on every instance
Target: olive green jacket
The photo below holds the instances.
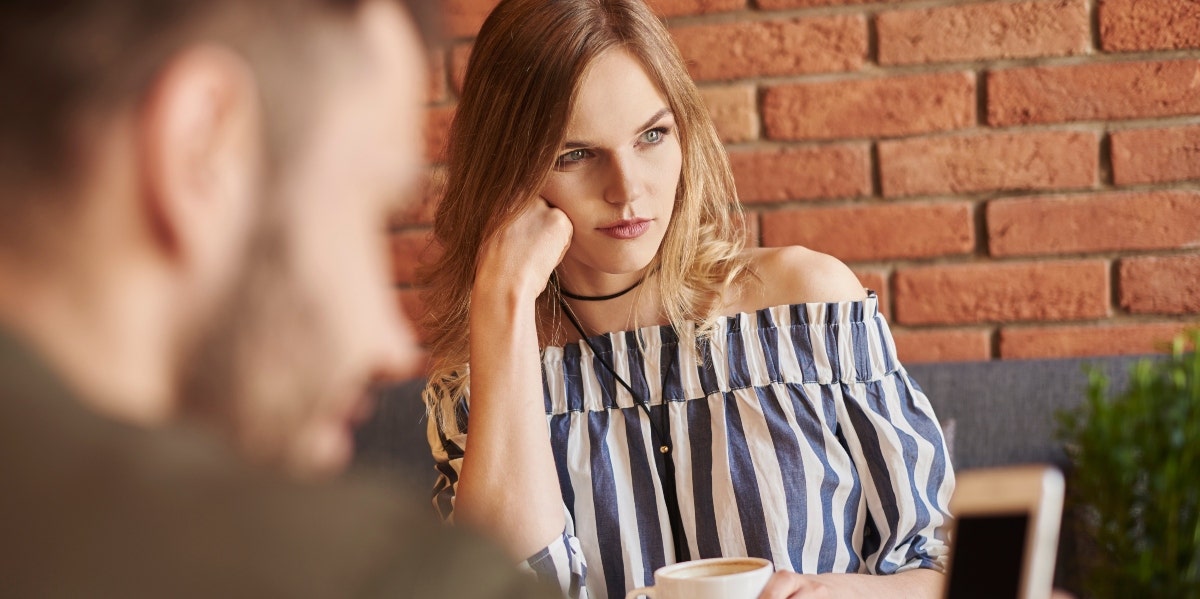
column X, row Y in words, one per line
column 90, row 507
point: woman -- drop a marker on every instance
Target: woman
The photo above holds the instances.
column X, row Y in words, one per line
column 702, row 399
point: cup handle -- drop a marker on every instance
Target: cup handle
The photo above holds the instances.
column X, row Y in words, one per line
column 640, row 591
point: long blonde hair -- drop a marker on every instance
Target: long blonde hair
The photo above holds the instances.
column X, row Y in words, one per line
column 520, row 84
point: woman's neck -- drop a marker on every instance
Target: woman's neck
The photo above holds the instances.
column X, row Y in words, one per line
column 638, row 308
column 597, row 285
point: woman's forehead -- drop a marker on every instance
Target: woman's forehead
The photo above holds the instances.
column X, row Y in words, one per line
column 615, row 98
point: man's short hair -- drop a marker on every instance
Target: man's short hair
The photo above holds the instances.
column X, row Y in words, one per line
column 63, row 62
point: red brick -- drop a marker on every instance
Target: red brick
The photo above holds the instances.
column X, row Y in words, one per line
column 780, row 4
column 1093, row 92
column 675, row 8
column 944, row 345
column 878, row 107
column 437, row 76
column 876, row 280
column 753, row 230
column 1093, row 223
column 873, row 279
column 875, row 232
column 1156, row 155
column 781, row 47
column 994, row 161
column 782, row 174
column 1004, row 292
column 733, row 110
column 410, row 250
column 437, row 132
column 1087, row 340
column 1149, row 24
column 460, row 56
column 1160, row 285
column 421, row 207
column 463, row 18
column 984, row 31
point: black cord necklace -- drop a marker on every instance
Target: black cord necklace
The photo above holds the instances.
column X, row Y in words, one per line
column 663, row 462
column 599, row 298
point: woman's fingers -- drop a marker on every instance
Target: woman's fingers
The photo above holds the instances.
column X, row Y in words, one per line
column 790, row 585
column 559, row 223
column 526, row 251
column 549, row 229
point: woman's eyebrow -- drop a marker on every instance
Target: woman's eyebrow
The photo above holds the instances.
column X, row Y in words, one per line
column 579, row 145
column 654, row 119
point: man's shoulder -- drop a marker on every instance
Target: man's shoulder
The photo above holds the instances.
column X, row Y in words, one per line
column 97, row 506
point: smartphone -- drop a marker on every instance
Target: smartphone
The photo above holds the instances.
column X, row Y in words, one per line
column 1004, row 536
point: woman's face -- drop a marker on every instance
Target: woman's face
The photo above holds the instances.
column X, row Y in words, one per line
column 616, row 175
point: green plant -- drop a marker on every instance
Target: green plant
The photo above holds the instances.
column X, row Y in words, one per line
column 1137, row 477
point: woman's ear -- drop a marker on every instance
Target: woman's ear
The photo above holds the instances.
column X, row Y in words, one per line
column 200, row 150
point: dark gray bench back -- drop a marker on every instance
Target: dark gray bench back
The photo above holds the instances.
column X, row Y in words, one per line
column 1003, row 412
column 394, row 441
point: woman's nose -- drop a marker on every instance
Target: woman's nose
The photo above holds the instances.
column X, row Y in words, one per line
column 625, row 185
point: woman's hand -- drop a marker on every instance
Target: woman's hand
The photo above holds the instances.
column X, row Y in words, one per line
column 919, row 583
column 790, row 585
column 525, row 252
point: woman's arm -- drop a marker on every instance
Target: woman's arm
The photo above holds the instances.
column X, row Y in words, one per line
column 906, row 438
column 508, row 486
column 911, row 584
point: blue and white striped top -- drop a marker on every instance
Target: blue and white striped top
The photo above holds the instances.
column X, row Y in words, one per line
column 798, row 437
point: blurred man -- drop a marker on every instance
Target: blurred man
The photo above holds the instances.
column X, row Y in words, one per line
column 193, row 204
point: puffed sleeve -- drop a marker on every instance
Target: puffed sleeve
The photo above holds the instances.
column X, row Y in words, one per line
column 900, row 453
column 560, row 563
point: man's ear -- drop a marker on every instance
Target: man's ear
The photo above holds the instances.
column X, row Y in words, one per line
column 200, row 152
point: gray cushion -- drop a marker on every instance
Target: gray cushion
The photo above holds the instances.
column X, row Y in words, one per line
column 394, row 440
column 1003, row 412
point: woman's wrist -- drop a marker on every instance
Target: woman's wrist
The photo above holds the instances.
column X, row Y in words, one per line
column 510, row 293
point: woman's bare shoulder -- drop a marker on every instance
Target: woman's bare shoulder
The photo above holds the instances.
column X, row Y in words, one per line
column 794, row 275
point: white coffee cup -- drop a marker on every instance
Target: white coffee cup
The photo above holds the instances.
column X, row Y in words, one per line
column 714, row 578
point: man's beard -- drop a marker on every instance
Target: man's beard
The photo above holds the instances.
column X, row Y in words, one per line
column 255, row 371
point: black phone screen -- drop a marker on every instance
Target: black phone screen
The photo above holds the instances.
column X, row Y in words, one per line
column 986, row 556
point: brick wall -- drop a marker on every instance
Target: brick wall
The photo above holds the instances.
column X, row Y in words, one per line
column 1017, row 179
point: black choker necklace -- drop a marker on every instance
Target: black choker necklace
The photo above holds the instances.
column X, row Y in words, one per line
column 599, row 298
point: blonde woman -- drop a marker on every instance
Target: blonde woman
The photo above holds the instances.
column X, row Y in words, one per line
column 640, row 389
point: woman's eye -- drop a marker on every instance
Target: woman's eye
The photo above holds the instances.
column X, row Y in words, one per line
column 572, row 157
column 654, row 136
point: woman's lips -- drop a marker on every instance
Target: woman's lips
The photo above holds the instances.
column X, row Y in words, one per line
column 626, row 229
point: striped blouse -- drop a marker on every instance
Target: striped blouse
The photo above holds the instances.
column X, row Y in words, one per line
column 798, row 437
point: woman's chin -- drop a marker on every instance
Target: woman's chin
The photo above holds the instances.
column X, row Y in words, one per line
column 612, row 261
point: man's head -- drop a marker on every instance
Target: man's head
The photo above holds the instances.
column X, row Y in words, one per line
column 234, row 163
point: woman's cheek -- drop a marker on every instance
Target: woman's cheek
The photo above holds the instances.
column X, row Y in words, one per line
column 569, row 192
column 559, row 191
